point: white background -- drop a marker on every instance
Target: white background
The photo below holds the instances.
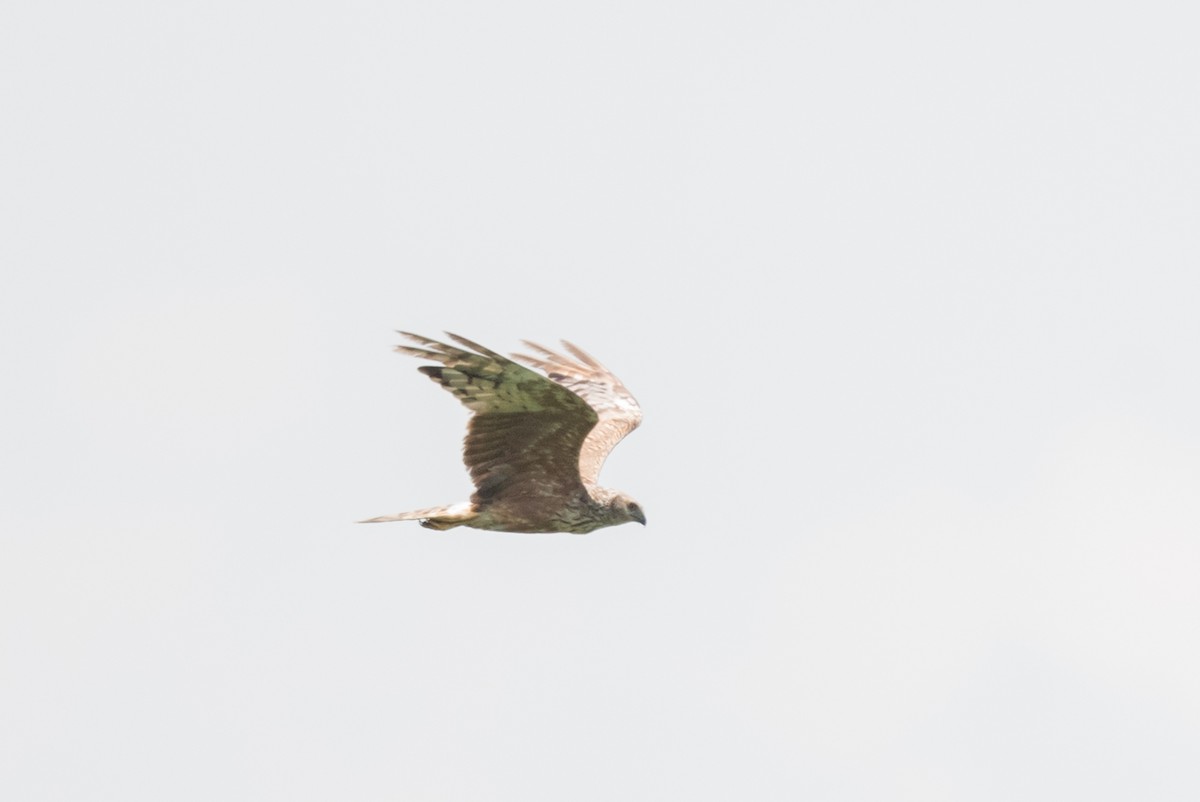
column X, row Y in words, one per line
column 909, row 295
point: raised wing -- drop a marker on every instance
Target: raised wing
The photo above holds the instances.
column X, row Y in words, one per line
column 524, row 440
column 616, row 408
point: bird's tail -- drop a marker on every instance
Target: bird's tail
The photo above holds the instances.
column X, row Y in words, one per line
column 446, row 517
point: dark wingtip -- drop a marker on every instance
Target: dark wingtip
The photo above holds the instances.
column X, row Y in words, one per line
column 417, row 338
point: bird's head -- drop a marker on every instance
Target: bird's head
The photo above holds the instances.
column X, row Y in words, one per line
column 624, row 509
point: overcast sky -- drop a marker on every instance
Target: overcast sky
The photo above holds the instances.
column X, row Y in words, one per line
column 908, row 293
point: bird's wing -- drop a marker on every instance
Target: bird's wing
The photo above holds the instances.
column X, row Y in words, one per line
column 616, row 408
column 523, row 441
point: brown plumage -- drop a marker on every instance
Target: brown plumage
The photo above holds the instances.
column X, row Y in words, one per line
column 535, row 443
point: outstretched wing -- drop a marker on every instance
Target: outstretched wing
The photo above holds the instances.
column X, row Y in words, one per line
column 524, row 440
column 617, row 409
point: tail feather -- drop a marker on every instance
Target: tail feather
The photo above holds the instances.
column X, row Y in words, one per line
column 431, row 517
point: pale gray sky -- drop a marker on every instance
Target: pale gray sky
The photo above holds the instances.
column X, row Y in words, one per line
column 908, row 294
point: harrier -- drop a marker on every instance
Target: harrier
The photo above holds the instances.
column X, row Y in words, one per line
column 535, row 444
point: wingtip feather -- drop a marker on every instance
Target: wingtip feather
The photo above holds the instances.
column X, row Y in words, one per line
column 541, row 349
column 474, row 346
column 582, row 355
column 420, row 353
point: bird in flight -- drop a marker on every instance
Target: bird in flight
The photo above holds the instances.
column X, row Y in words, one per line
column 535, row 443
